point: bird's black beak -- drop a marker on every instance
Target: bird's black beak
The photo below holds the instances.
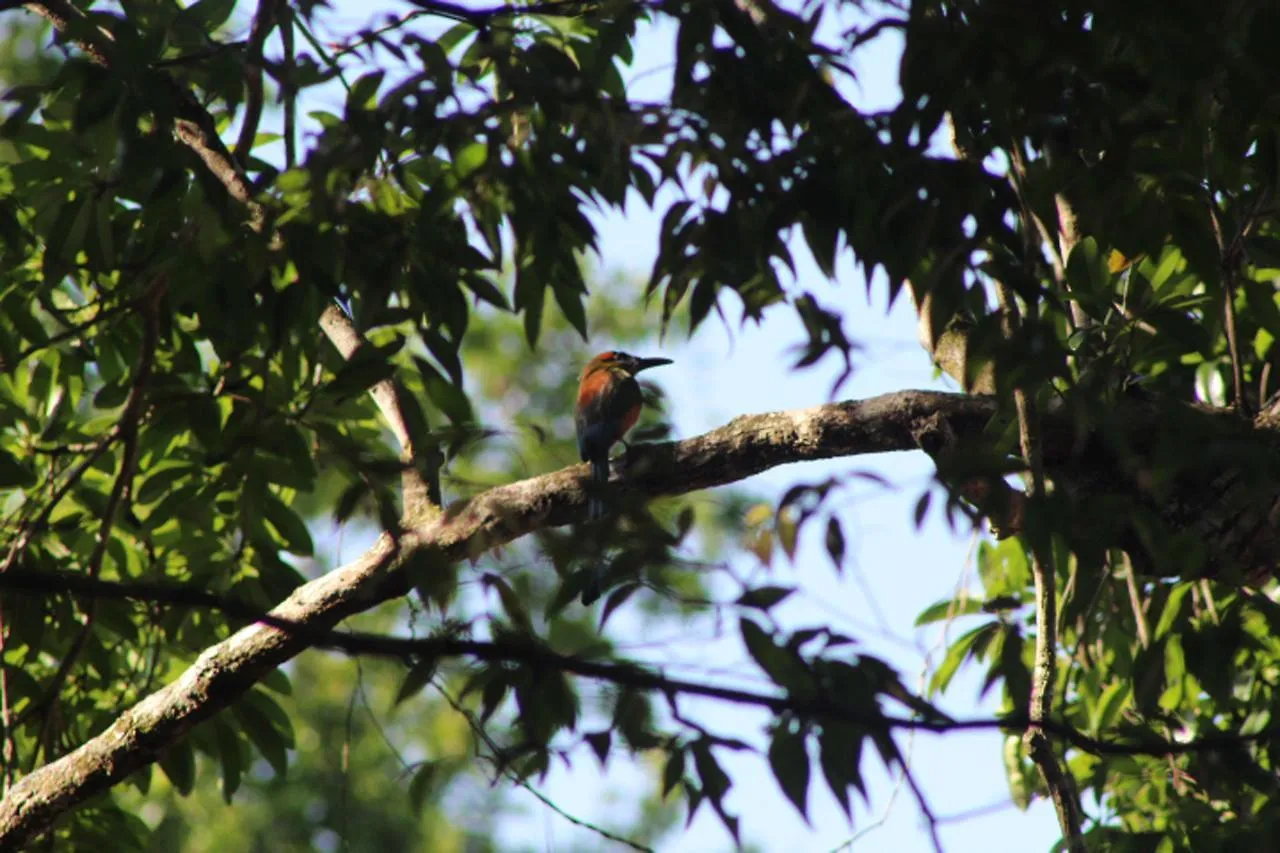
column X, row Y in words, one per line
column 646, row 363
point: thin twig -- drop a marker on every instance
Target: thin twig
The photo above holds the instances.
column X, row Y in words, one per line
column 1018, row 179
column 10, row 753
column 930, row 820
column 127, row 428
column 264, row 21
column 420, row 485
column 484, row 737
column 1230, row 261
column 1060, row 784
column 289, row 92
column 31, row 528
column 68, row 333
column 371, row 36
column 1135, row 602
column 536, row 655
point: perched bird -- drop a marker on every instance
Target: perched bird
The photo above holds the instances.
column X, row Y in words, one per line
column 609, row 402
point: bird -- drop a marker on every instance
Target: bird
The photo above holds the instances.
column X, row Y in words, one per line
column 609, row 402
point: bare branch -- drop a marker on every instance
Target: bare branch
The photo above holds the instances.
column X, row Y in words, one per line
column 264, row 21
column 739, row 449
column 289, row 92
column 420, row 480
column 1135, row 602
column 414, row 649
column 1230, row 264
column 223, row 672
column 9, row 751
column 1059, row 782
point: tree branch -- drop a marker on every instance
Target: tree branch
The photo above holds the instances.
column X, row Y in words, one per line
column 264, row 21
column 420, row 480
column 535, row 654
column 223, row 672
column 745, row 446
column 127, row 429
column 1059, row 782
column 196, row 129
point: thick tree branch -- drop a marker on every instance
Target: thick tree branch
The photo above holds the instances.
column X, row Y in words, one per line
column 536, row 654
column 220, row 675
column 224, row 672
column 745, row 446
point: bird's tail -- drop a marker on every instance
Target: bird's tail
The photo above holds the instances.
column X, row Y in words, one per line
column 595, row 512
column 599, row 477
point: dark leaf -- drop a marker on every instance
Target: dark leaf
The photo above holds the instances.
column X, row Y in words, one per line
column 790, row 764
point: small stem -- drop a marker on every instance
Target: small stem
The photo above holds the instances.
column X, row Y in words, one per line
column 288, row 93
column 264, row 20
column 1135, row 601
column 1059, row 782
column 10, row 749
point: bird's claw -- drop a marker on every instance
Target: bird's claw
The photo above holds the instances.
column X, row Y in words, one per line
column 623, row 462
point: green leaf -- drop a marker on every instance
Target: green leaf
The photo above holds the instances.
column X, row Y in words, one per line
column 363, row 94
column 418, row 677
column 486, row 291
column 616, row 598
column 715, row 784
column 288, row 525
column 1090, row 275
column 633, row 718
column 470, row 158
column 512, row 604
column 835, row 544
column 277, row 681
column 765, row 597
column 840, row 754
column 784, row 667
column 179, row 764
column 600, row 742
column 971, row 644
column 230, row 759
column 1175, row 671
column 570, row 300
column 1016, row 767
column 673, row 770
column 366, row 368
column 948, row 609
column 161, row 478
column 449, row 398
column 1173, row 607
column 13, row 472
column 790, row 764
column 268, row 740
column 207, row 15
column 1108, row 707
column 1004, row 568
column 423, row 783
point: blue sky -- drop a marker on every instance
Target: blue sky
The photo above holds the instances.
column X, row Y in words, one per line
column 895, row 570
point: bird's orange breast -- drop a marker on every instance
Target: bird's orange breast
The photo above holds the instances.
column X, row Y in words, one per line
column 594, row 387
